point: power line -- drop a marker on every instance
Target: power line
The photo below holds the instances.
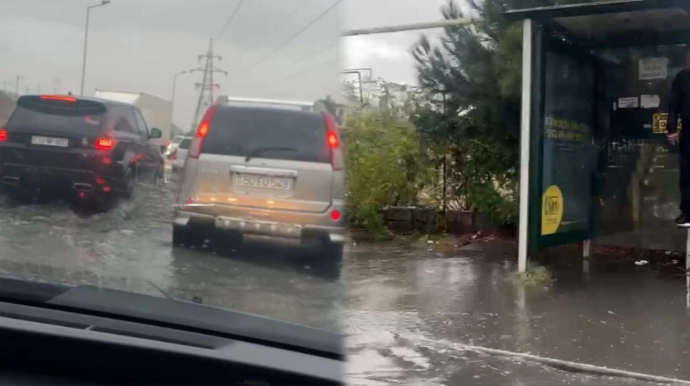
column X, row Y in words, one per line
column 299, row 73
column 295, row 74
column 232, row 16
column 332, row 47
column 308, row 58
column 296, row 34
column 296, row 9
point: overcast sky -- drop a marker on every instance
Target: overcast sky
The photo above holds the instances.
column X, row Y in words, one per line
column 137, row 45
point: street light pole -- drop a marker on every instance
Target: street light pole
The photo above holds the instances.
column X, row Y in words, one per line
column 410, row 27
column 86, row 38
column 172, row 99
column 371, row 73
column 16, row 85
column 359, row 77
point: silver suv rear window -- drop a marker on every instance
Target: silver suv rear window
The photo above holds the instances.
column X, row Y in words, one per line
column 278, row 133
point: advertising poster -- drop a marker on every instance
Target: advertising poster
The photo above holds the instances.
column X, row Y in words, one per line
column 568, row 155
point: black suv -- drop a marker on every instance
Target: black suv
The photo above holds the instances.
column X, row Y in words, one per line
column 88, row 148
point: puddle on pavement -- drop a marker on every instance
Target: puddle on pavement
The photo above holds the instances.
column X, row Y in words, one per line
column 631, row 320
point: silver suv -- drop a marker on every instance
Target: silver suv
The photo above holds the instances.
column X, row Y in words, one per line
column 263, row 171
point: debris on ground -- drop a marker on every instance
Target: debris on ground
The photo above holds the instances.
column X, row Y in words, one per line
column 641, row 262
column 634, row 255
column 534, row 276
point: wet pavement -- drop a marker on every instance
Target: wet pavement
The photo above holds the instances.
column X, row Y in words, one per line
column 129, row 247
column 424, row 318
column 411, row 316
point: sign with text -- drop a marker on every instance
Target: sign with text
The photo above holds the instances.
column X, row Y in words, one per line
column 653, row 68
column 567, row 152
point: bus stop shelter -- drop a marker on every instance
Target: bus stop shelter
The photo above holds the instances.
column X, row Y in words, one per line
column 594, row 162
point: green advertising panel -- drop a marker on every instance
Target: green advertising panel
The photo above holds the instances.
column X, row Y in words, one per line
column 568, row 158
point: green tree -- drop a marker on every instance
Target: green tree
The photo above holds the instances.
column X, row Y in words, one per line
column 472, row 78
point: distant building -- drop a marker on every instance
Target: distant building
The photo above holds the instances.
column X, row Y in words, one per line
column 381, row 94
column 157, row 111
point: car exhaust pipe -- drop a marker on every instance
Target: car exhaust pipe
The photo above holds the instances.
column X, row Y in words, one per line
column 79, row 187
column 10, row 180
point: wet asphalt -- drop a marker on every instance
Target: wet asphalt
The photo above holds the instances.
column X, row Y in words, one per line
column 411, row 316
column 130, row 247
column 420, row 317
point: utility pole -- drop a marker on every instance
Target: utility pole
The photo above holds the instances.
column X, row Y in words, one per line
column 206, row 86
column 16, row 85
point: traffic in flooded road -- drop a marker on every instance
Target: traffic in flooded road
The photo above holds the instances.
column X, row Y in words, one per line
column 129, row 247
column 409, row 315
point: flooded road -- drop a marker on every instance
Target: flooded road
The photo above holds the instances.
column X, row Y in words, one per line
column 130, row 247
column 411, row 316
column 441, row 320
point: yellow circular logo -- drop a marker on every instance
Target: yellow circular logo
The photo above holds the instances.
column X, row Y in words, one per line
column 551, row 210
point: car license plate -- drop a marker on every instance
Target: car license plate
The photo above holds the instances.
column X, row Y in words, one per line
column 263, row 182
column 49, row 141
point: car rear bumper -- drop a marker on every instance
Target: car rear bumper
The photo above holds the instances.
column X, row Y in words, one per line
column 264, row 227
column 54, row 178
column 56, row 169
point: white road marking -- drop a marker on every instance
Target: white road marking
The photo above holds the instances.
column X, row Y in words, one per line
column 565, row 365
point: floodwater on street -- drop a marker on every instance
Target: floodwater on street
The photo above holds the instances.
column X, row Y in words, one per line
column 419, row 317
column 411, row 316
column 130, row 247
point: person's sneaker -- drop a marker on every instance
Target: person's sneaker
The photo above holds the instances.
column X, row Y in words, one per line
column 683, row 219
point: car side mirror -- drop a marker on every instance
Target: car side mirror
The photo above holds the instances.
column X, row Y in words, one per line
column 155, row 133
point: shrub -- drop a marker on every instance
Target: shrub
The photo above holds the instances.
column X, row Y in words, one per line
column 386, row 166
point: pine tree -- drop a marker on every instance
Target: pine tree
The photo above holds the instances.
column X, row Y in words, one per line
column 473, row 77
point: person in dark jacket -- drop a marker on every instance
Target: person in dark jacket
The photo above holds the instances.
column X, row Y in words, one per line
column 679, row 107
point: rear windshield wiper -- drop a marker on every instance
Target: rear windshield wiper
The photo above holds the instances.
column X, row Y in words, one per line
column 263, row 149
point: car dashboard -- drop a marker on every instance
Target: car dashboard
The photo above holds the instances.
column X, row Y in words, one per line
column 52, row 344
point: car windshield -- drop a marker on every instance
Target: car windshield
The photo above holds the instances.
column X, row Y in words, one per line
column 95, row 96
